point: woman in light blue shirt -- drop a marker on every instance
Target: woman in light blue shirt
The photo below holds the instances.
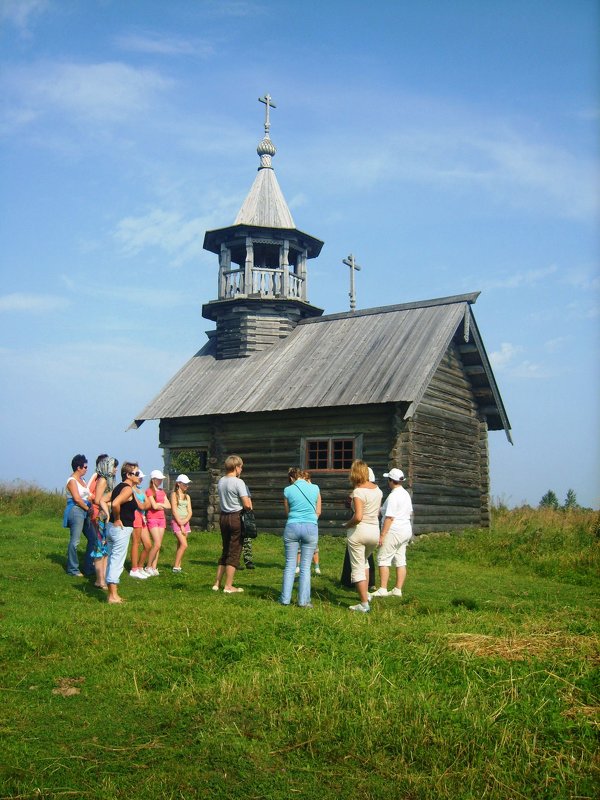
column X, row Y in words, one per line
column 302, row 501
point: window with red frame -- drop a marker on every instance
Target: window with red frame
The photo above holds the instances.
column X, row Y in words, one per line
column 330, row 454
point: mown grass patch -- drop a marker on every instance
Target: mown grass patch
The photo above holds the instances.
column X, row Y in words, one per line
column 185, row 693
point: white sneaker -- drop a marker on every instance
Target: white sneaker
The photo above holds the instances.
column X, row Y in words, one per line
column 138, row 573
column 360, row 608
column 150, row 572
column 396, row 592
column 381, row 592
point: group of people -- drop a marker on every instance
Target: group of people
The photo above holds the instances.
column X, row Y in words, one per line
column 373, row 524
column 111, row 515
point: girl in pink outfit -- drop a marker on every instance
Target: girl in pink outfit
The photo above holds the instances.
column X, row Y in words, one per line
column 155, row 516
column 181, row 508
column 140, row 531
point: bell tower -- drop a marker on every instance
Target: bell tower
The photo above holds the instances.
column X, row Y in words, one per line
column 263, row 287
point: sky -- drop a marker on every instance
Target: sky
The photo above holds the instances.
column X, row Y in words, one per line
column 450, row 147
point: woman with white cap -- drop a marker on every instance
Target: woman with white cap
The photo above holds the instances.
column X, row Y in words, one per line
column 181, row 509
column 396, row 533
column 156, row 519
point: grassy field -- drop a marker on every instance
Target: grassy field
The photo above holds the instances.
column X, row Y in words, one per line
column 480, row 683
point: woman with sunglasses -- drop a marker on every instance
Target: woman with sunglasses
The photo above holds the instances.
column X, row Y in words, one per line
column 76, row 517
column 120, row 527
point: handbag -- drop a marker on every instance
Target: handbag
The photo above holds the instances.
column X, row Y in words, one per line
column 248, row 521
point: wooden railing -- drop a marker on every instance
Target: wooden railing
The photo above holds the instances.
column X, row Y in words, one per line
column 269, row 283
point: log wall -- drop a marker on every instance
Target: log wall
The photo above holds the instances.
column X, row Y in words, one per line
column 442, row 449
column 447, row 453
column 269, row 444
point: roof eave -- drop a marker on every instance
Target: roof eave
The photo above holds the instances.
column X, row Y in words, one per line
column 215, row 238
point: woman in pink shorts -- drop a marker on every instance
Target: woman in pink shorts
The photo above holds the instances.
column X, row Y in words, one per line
column 155, row 516
column 181, row 509
column 140, row 530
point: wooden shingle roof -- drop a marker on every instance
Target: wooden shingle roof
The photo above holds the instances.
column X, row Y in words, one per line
column 377, row 355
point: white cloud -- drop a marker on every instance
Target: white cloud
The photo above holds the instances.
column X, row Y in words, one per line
column 556, row 345
column 500, row 359
column 519, row 280
column 161, row 44
column 529, row 370
column 155, row 295
column 170, row 231
column 503, row 360
column 298, row 200
column 32, row 303
column 105, row 92
column 20, row 12
column 583, row 278
column 579, row 311
column 459, row 150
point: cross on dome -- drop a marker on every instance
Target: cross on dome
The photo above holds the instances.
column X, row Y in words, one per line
column 268, row 101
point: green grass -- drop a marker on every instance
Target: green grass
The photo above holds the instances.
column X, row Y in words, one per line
column 480, row 683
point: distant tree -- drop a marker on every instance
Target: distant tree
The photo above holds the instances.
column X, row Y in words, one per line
column 570, row 503
column 549, row 500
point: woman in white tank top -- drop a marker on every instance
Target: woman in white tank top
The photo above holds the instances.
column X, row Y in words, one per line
column 363, row 529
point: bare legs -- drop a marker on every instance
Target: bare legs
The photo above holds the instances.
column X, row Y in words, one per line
column 362, row 589
column 229, row 573
column 140, row 536
column 181, row 548
column 100, row 568
column 384, row 575
column 113, row 593
column 157, row 538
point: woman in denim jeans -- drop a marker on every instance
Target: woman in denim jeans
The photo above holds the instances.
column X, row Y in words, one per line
column 76, row 517
column 120, row 527
column 302, row 501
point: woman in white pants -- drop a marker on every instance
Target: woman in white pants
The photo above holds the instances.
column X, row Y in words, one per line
column 363, row 529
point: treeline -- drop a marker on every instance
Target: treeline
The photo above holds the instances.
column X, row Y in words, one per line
column 550, row 500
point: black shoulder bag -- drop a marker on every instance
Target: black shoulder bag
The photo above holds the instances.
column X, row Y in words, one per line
column 248, row 521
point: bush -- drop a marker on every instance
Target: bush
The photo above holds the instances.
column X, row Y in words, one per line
column 546, row 540
column 20, row 498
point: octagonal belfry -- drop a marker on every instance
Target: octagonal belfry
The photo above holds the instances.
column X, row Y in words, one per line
column 263, row 287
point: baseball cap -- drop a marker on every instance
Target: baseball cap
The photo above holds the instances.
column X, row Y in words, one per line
column 394, row 474
column 183, row 479
column 156, row 473
column 371, row 475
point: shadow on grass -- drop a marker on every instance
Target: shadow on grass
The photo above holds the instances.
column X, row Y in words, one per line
column 57, row 558
column 91, row 591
